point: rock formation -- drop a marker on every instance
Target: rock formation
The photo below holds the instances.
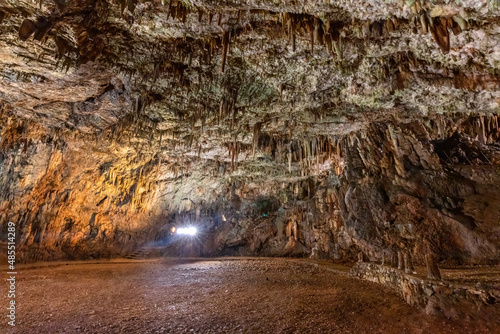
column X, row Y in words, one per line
column 280, row 128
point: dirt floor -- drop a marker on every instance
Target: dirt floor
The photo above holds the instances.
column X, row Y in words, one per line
column 213, row 296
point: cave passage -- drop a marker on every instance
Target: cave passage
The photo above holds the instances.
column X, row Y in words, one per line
column 253, row 166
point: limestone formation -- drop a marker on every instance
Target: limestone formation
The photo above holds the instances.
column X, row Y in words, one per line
column 279, row 128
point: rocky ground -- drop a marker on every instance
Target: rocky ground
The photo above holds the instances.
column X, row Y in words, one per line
column 214, row 296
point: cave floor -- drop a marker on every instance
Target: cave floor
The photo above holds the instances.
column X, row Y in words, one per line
column 250, row 295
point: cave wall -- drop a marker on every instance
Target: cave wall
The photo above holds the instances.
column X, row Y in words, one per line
column 73, row 198
column 414, row 187
column 425, row 185
column 417, row 186
column 300, row 128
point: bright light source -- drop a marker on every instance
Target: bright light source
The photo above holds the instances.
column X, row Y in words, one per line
column 187, row 230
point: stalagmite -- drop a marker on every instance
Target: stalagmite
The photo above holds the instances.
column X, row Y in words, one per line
column 400, row 260
column 432, row 267
column 408, row 263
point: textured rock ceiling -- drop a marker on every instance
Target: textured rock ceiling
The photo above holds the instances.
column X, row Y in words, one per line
column 118, row 99
column 305, row 67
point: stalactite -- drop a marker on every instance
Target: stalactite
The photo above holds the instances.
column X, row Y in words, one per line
column 225, row 46
column 256, row 134
column 233, row 154
column 329, row 44
column 389, row 25
column 27, row 29
column 463, row 24
column 424, row 23
column 376, row 29
column 439, row 30
column 482, row 131
column 221, row 110
column 318, row 152
column 316, row 32
column 311, row 34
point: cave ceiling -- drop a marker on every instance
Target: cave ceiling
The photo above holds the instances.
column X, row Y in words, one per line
column 203, row 79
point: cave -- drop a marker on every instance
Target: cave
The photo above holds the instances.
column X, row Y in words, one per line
column 250, row 166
